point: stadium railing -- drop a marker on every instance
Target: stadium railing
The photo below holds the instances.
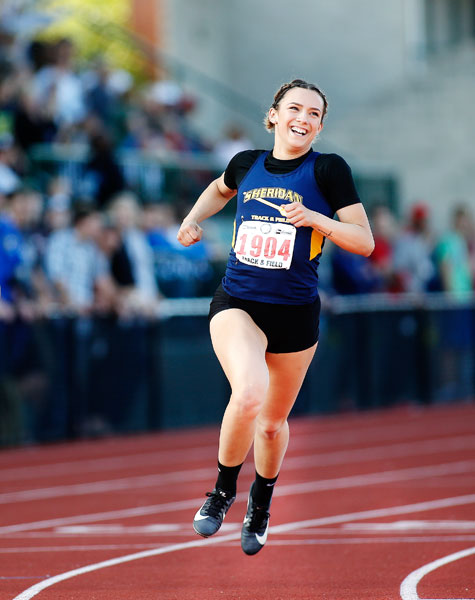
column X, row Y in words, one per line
column 69, row 377
column 167, row 176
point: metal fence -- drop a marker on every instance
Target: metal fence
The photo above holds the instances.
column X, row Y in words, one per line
column 66, row 378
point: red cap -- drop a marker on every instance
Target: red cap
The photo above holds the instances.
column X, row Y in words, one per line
column 419, row 212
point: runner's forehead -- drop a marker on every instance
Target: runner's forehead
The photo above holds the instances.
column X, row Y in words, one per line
column 303, row 97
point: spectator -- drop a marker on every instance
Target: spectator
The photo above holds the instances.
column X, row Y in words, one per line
column 168, row 108
column 99, row 95
column 11, row 242
column 125, row 213
column 74, row 264
column 57, row 213
column 180, row 272
column 385, row 231
column 413, row 263
column 137, row 134
column 353, row 274
column 102, row 173
column 112, row 245
column 452, row 254
column 57, row 83
column 33, row 122
column 456, row 324
column 234, row 141
column 470, row 237
column 9, row 179
column 32, row 295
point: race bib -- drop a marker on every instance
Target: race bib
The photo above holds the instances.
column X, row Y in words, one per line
column 265, row 245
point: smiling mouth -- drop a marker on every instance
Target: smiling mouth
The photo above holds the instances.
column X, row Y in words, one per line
column 298, row 131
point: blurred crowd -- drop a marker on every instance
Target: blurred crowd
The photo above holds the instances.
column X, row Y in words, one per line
column 102, row 248
column 92, row 243
column 409, row 257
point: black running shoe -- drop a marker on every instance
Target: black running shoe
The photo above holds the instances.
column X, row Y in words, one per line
column 254, row 528
column 210, row 516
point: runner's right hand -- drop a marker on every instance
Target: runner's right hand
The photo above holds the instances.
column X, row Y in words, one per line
column 189, row 233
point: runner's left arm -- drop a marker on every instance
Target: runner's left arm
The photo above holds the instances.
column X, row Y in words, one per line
column 352, row 232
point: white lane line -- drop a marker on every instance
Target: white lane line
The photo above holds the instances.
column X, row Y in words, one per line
column 381, row 432
column 376, row 478
column 275, row 542
column 403, row 450
column 38, row 587
column 356, row 541
column 90, row 531
column 412, row 525
column 367, row 514
column 378, row 513
column 112, row 485
column 283, row 490
column 340, row 437
column 127, row 461
column 408, row 588
column 83, row 548
column 119, row 529
column 125, row 513
column 294, row 463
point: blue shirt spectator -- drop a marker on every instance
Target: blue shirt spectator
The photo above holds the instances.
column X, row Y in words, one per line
column 10, row 255
column 180, row 272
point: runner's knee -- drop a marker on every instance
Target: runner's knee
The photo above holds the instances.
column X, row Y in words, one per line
column 248, row 399
column 270, row 428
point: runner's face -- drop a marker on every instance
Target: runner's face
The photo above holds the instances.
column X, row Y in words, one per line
column 298, row 119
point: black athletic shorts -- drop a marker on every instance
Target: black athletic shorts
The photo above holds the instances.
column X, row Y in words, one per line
column 288, row 327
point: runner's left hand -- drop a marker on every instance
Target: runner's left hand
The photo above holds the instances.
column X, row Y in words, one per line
column 299, row 215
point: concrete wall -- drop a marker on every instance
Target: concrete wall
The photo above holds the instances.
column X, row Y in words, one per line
column 423, row 133
column 351, row 49
column 196, row 43
column 392, row 110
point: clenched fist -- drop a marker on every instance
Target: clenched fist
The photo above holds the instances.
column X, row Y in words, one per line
column 189, row 233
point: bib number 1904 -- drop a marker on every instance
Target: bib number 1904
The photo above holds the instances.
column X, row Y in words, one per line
column 265, row 245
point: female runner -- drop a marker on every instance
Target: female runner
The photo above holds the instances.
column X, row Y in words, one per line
column 264, row 316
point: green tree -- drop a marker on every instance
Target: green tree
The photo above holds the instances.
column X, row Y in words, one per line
column 97, row 30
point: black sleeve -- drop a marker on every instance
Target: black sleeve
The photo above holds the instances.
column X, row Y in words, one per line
column 334, row 178
column 238, row 166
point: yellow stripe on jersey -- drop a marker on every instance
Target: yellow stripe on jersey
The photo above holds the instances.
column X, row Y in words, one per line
column 234, row 234
column 315, row 244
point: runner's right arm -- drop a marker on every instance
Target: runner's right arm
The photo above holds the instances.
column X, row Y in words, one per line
column 211, row 201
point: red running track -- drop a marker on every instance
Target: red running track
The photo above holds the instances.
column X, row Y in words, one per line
column 375, row 506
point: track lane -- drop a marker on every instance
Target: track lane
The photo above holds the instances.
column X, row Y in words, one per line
column 327, row 565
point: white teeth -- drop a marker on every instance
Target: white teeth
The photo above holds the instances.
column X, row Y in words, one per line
column 298, row 130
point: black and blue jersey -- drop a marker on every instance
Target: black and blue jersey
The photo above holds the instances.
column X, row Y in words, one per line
column 270, row 259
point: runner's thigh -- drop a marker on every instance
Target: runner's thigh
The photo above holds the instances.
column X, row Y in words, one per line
column 286, row 374
column 240, row 347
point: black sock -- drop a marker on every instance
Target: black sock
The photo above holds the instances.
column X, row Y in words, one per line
column 262, row 490
column 227, row 478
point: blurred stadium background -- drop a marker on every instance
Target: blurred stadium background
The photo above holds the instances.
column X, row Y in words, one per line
column 113, row 118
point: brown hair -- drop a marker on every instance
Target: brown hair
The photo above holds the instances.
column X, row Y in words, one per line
column 296, row 83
